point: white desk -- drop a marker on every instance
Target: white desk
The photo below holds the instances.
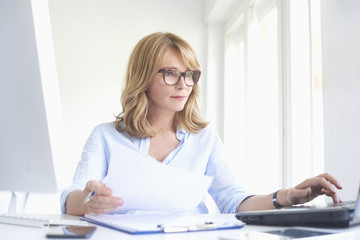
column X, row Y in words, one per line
column 13, row 232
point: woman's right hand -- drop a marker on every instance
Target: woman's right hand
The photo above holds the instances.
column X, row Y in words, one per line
column 102, row 201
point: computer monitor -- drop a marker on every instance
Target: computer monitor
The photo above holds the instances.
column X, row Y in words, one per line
column 31, row 125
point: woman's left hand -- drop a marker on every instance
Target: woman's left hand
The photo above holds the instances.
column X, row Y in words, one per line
column 312, row 188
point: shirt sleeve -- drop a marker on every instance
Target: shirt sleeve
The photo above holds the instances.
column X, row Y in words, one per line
column 225, row 188
column 92, row 166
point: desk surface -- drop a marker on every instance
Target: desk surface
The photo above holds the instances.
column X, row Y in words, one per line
column 20, row 232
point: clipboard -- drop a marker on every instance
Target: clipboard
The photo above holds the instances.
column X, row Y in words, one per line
column 164, row 223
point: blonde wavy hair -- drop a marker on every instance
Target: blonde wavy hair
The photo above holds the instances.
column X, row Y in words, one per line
column 145, row 61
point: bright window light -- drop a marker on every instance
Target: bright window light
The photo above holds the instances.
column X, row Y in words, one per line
column 273, row 126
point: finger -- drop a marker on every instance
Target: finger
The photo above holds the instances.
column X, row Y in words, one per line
column 102, row 201
column 331, row 179
column 101, row 210
column 325, row 184
column 335, row 197
column 106, row 200
column 96, row 186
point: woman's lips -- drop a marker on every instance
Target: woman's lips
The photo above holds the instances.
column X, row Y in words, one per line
column 178, row 97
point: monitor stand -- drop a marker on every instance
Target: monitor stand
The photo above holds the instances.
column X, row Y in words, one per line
column 14, row 200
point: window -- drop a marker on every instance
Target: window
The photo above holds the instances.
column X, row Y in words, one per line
column 272, row 101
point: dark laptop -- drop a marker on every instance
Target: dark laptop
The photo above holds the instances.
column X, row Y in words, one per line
column 334, row 215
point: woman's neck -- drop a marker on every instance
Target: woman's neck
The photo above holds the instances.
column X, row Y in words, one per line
column 162, row 123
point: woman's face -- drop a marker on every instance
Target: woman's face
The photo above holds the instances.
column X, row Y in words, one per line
column 164, row 98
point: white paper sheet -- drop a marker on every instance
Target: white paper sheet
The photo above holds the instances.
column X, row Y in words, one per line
column 145, row 184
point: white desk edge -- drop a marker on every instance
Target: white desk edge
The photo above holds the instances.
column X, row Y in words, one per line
column 20, row 232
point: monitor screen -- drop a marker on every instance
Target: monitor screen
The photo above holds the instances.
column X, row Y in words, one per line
column 31, row 125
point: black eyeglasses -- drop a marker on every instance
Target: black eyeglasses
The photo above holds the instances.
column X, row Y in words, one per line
column 172, row 77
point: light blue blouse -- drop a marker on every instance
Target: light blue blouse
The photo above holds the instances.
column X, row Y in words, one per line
column 202, row 153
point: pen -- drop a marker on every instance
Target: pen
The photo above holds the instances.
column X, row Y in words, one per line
column 92, row 193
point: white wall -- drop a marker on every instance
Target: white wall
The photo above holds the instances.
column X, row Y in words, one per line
column 341, row 89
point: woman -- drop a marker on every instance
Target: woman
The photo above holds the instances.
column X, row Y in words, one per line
column 161, row 118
